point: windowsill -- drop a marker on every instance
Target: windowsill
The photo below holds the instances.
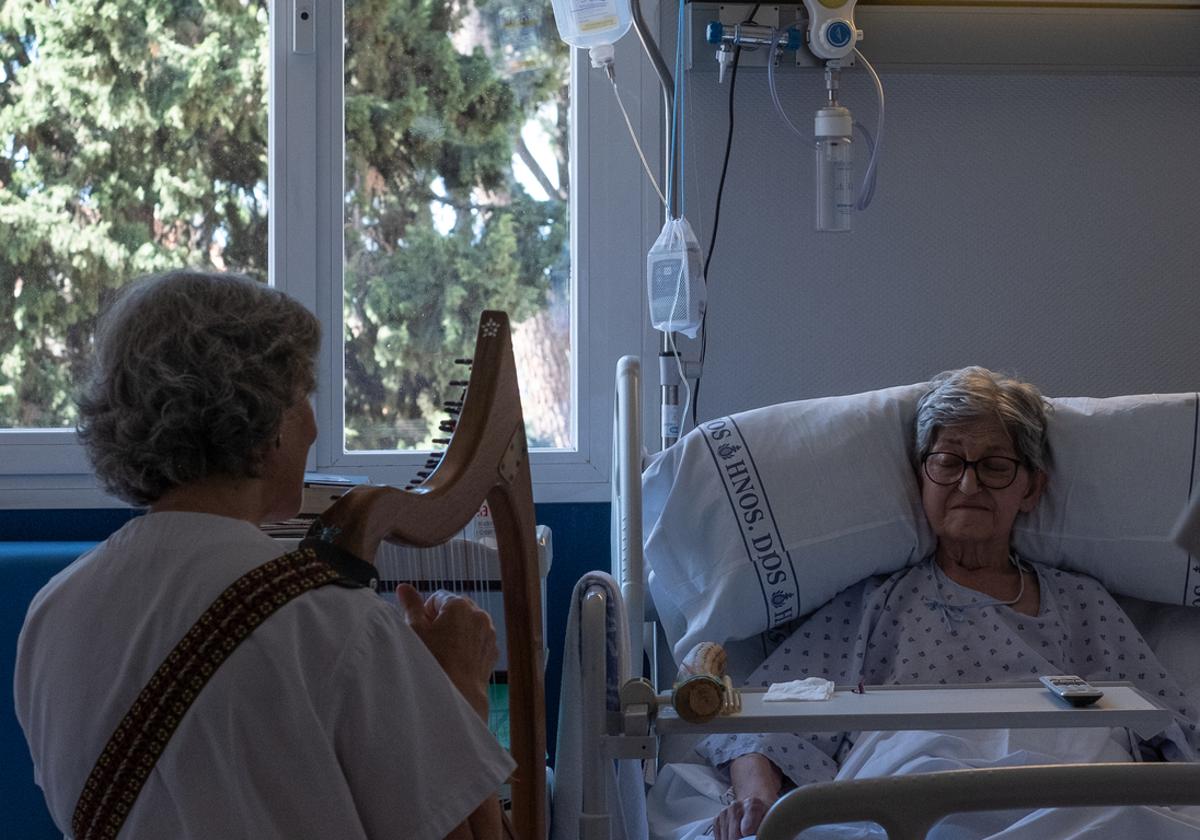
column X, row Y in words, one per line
column 80, row 492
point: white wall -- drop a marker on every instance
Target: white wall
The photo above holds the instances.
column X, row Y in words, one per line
column 1045, row 225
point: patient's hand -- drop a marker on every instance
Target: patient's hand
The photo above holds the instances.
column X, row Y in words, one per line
column 741, row 818
column 460, row 636
column 756, row 785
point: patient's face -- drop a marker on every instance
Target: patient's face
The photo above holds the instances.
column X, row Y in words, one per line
column 968, row 511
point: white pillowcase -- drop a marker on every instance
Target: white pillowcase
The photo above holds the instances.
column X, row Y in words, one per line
column 758, row 518
column 1122, row 473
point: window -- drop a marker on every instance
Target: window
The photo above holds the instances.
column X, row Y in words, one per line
column 418, row 165
column 455, row 200
column 115, row 162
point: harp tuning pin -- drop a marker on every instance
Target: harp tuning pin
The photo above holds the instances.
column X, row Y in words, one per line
column 459, row 383
column 442, row 441
column 447, row 426
column 467, row 362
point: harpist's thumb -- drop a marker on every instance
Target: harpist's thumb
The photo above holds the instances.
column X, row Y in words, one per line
column 412, row 604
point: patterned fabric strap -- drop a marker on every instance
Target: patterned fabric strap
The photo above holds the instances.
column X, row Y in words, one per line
column 139, row 740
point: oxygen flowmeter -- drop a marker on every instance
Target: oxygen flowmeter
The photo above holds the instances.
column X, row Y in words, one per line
column 831, row 31
column 830, row 35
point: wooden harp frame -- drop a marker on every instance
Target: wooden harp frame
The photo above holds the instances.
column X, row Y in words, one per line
column 487, row 460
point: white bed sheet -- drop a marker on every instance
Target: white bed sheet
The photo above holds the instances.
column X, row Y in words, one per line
column 686, row 797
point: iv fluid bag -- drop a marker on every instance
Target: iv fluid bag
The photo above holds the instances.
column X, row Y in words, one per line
column 675, row 280
column 589, row 23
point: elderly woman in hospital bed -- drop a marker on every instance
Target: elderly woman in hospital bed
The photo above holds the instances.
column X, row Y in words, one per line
column 972, row 611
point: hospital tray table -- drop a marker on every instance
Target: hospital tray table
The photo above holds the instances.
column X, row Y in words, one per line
column 932, row 707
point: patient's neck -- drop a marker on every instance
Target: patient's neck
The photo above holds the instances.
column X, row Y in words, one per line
column 990, row 569
column 970, row 558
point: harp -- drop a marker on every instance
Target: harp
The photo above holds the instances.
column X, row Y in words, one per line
column 487, row 460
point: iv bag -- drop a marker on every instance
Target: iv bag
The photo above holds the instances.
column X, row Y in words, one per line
column 589, row 23
column 675, row 280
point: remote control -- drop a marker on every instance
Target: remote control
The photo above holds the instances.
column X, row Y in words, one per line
column 1075, row 690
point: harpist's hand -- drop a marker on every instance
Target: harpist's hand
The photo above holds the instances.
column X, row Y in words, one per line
column 460, row 636
column 741, row 818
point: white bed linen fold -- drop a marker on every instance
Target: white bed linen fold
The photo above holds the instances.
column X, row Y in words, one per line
column 682, row 805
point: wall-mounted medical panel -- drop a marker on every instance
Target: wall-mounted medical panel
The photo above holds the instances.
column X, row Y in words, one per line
column 990, row 36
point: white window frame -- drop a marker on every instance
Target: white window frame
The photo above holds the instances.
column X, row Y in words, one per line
column 48, row 469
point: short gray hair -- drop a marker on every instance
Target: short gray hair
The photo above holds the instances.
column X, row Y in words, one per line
column 972, row 394
column 190, row 377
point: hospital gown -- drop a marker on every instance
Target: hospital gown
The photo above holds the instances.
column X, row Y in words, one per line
column 918, row 626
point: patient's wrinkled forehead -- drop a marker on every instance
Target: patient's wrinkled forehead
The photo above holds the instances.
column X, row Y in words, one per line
column 976, row 439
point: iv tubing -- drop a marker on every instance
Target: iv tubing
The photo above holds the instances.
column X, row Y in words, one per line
column 650, row 46
column 675, row 192
column 686, row 385
column 669, row 395
column 612, row 77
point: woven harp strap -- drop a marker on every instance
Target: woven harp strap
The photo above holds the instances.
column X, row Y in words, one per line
column 139, row 740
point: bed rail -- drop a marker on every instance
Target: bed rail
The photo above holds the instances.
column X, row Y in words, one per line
column 627, row 565
column 906, row 807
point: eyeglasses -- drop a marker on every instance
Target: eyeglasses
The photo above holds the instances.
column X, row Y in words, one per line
column 994, row 472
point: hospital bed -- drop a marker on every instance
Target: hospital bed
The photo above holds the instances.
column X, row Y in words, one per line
column 629, row 727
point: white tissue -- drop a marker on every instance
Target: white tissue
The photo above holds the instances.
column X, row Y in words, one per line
column 812, row 688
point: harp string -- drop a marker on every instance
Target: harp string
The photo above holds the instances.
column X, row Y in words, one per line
column 457, row 566
column 491, row 465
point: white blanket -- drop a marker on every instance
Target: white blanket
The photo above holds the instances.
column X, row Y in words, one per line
column 682, row 804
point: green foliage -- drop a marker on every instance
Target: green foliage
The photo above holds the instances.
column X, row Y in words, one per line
column 420, row 112
column 133, row 139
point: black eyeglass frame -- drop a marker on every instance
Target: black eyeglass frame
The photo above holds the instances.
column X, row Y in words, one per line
column 973, row 465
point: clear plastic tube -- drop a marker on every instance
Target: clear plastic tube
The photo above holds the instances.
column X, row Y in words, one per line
column 868, row 186
column 633, row 135
column 771, row 83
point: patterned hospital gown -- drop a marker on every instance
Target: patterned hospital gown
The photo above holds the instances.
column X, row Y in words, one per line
column 918, row 626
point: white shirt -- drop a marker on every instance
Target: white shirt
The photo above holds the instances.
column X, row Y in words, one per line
column 331, row 720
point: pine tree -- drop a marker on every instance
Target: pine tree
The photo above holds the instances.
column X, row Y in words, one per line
column 133, row 139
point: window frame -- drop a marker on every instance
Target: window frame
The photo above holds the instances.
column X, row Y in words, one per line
column 48, row 469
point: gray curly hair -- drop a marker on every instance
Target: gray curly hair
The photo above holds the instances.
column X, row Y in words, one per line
column 971, row 394
column 191, row 375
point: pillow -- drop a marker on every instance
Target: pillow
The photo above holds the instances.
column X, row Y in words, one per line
column 758, row 518
column 1122, row 472
column 1173, row 632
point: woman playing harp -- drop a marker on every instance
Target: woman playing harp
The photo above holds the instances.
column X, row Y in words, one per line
column 327, row 715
